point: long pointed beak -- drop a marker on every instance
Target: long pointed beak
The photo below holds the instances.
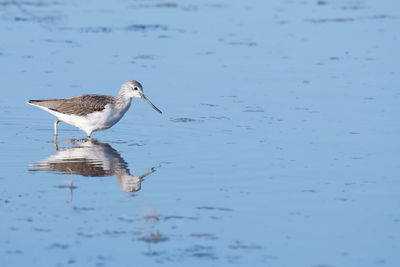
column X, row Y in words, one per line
column 151, row 104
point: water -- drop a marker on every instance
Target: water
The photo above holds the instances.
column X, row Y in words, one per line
column 277, row 146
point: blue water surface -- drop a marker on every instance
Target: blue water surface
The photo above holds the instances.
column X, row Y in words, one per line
column 278, row 144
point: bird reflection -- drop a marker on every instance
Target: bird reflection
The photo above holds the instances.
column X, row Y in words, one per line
column 88, row 157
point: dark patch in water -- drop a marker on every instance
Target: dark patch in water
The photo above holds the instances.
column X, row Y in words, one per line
column 208, row 105
column 245, row 127
column 21, row 19
column 330, row 20
column 203, row 255
column 114, row 233
column 243, row 43
column 59, row 41
column 204, row 235
column 352, row 7
column 185, row 120
column 145, row 57
column 200, row 251
column 381, row 17
column 282, row 22
column 229, row 96
column 85, row 235
column 213, row 208
column 216, row 117
column 309, row 191
column 179, row 217
column 30, row 3
column 126, row 219
column 317, row 21
column 58, row 246
column 81, row 209
column 253, row 110
column 154, row 238
column 218, row 5
column 145, row 27
column 98, row 29
column 41, row 230
column 240, row 245
column 167, row 5
column 163, row 36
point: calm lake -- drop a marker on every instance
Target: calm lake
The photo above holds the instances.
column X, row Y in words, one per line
column 278, row 144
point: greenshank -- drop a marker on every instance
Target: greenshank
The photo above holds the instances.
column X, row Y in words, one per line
column 92, row 113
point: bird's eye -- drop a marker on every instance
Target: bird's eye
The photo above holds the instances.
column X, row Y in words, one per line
column 135, row 88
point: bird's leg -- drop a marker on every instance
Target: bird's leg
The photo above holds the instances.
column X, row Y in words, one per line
column 55, row 126
column 55, row 143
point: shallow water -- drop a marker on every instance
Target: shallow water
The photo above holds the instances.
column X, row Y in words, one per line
column 277, row 146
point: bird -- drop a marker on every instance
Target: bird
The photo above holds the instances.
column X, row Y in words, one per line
column 93, row 112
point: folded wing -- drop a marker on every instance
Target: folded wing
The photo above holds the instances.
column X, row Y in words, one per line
column 79, row 105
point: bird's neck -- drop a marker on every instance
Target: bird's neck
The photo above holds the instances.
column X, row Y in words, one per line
column 129, row 183
column 123, row 101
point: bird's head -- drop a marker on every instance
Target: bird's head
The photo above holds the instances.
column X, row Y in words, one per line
column 133, row 89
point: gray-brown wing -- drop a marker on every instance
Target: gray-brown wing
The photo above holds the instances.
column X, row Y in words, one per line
column 79, row 105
